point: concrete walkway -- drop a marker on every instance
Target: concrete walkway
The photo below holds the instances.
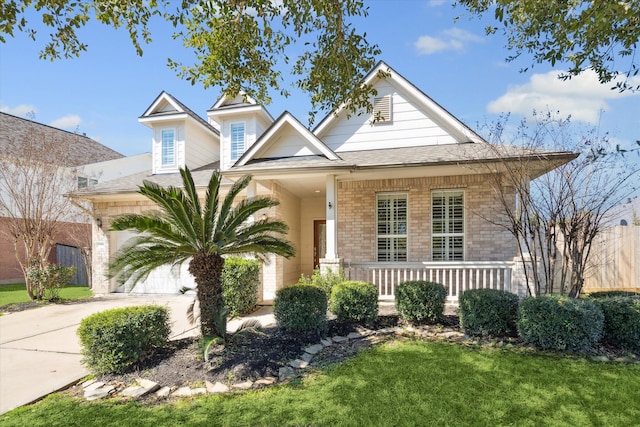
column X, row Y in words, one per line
column 40, row 351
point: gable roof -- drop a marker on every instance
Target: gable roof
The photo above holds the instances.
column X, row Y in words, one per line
column 269, row 140
column 167, row 106
column 79, row 149
column 241, row 103
column 382, row 71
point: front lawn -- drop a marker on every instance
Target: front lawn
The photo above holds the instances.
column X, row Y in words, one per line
column 17, row 293
column 399, row 383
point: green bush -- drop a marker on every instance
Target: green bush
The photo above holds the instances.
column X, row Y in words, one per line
column 488, row 312
column 325, row 281
column 114, row 340
column 420, row 301
column 560, row 323
column 355, row 301
column 608, row 294
column 301, row 308
column 621, row 321
column 240, row 279
column 48, row 279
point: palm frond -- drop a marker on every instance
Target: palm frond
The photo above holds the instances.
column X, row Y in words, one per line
column 211, row 206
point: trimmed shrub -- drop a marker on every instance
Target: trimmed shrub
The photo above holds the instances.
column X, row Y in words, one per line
column 621, row 321
column 608, row 294
column 325, row 281
column 355, row 301
column 420, row 301
column 488, row 312
column 560, row 323
column 240, row 279
column 301, row 309
column 114, row 340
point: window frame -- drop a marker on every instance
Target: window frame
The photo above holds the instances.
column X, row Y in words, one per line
column 235, row 151
column 393, row 237
column 163, row 164
column 447, row 234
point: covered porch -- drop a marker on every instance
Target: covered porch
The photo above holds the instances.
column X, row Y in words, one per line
column 456, row 276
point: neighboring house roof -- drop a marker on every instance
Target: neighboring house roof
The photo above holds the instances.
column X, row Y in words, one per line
column 177, row 110
column 131, row 183
column 624, row 213
column 80, row 149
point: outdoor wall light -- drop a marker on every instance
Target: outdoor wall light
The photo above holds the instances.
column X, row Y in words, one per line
column 99, row 222
column 330, row 205
column 264, row 217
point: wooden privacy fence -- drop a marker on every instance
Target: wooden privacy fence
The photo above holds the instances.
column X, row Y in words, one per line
column 455, row 276
column 614, row 263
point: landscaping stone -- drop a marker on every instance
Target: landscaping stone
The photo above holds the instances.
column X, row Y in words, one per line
column 285, row 373
column 148, row 385
column 314, row 349
column 355, row 336
column 98, row 393
column 451, row 334
column 163, row 392
column 306, row 357
column 93, row 386
column 265, row 381
column 182, row 392
column 246, row 385
column 134, row 391
column 87, row 383
column 197, row 391
column 298, row 364
column 216, row 388
column 325, row 342
column 339, row 339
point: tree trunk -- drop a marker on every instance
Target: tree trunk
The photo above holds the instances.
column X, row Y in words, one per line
column 207, row 272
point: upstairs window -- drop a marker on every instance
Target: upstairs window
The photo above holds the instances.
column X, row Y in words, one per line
column 237, row 140
column 447, row 225
column 168, row 150
column 392, row 227
column 84, row 182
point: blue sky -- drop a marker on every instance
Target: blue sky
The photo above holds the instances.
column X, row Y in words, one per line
column 103, row 92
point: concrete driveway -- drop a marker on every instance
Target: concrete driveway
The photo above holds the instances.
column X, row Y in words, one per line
column 40, row 351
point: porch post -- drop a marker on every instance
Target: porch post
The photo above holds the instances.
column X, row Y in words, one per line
column 331, row 260
column 331, row 217
column 251, row 194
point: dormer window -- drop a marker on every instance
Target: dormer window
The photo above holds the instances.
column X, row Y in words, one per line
column 237, row 140
column 168, row 148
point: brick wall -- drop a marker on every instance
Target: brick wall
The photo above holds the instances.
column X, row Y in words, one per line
column 484, row 241
column 71, row 234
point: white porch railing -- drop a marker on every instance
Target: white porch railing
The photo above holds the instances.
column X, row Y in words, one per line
column 456, row 277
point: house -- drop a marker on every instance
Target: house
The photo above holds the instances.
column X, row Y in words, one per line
column 82, row 161
column 400, row 193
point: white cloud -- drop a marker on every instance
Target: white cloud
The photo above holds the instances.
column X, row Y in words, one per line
column 453, row 39
column 436, row 3
column 67, row 122
column 21, row 110
column 582, row 97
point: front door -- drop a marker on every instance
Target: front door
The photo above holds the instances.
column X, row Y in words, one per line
column 319, row 241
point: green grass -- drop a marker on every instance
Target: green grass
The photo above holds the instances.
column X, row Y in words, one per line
column 17, row 293
column 400, row 383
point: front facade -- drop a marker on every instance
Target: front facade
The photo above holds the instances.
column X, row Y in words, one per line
column 403, row 192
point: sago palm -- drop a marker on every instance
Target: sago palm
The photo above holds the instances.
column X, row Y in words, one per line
column 185, row 230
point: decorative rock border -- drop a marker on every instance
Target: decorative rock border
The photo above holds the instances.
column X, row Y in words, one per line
column 93, row 389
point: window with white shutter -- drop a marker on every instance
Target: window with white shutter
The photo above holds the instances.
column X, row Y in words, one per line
column 392, row 227
column 447, row 225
